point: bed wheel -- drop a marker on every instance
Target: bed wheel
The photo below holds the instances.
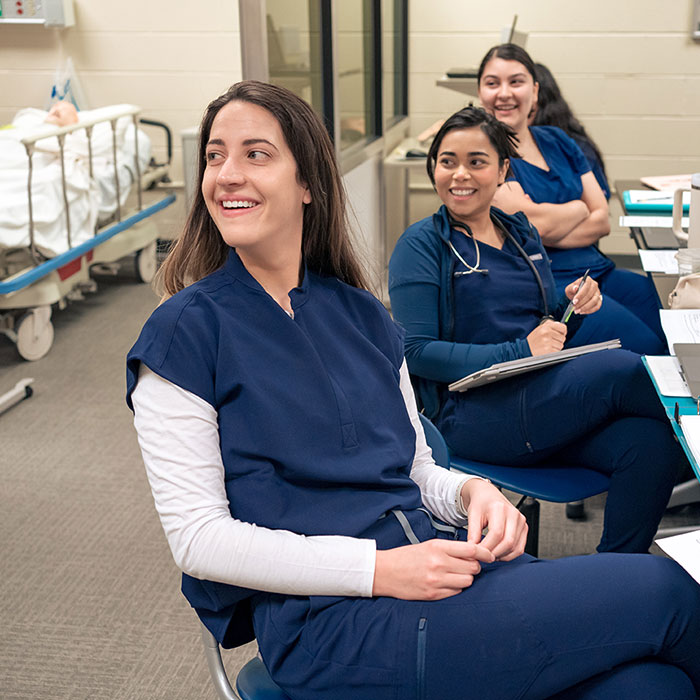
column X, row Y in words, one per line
column 146, row 263
column 34, row 333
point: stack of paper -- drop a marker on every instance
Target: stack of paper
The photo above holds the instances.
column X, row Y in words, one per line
column 680, row 326
column 646, row 221
column 691, row 431
column 667, row 182
column 659, row 261
column 685, row 549
column 666, row 371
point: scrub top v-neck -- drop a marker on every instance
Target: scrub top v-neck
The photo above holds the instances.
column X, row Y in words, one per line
column 505, row 303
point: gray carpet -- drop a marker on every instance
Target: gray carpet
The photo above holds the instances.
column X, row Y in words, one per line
column 90, row 604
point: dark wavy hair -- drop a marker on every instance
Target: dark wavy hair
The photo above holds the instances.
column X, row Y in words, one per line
column 508, row 52
column 500, row 135
column 553, row 110
column 326, row 245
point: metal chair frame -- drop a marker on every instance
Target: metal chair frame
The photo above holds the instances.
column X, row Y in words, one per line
column 252, row 683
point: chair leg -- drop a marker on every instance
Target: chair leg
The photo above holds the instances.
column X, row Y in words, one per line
column 530, row 508
column 216, row 667
column 575, row 510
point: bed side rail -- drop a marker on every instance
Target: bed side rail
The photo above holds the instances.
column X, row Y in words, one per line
column 27, row 277
column 111, row 114
column 168, row 137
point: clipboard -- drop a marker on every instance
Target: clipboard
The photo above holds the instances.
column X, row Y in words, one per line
column 688, row 355
column 504, row 370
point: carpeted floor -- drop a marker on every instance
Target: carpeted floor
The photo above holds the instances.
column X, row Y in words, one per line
column 90, row 604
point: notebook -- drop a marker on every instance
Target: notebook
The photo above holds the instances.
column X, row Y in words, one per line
column 652, row 201
column 503, row 370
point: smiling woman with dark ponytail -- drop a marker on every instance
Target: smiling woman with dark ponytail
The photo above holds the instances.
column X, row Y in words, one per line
column 473, row 287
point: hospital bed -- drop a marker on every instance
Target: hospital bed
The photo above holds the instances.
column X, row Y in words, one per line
column 74, row 215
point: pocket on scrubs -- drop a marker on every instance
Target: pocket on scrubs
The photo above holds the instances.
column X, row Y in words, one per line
column 492, row 650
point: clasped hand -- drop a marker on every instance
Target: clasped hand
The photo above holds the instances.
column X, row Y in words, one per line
column 438, row 569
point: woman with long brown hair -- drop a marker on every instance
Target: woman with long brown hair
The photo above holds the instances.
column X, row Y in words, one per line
column 287, row 463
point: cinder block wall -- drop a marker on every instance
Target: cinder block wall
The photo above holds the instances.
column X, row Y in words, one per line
column 170, row 58
column 628, row 68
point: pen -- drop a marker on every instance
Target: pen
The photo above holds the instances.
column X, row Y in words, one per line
column 656, row 198
column 570, row 307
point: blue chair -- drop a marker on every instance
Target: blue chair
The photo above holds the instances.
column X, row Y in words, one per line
column 559, row 484
column 252, row 683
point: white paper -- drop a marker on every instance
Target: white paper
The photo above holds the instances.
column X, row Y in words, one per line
column 655, row 197
column 659, row 261
column 650, row 221
column 685, row 549
column 667, row 182
column 667, row 375
column 690, row 423
column 680, row 326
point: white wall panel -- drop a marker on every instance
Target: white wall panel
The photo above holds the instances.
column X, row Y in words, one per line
column 170, row 58
column 628, row 68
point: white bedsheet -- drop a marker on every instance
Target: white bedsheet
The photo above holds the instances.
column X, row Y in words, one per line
column 90, row 199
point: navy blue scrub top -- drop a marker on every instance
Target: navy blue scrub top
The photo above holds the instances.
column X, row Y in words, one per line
column 560, row 184
column 315, row 436
column 506, row 303
column 594, row 162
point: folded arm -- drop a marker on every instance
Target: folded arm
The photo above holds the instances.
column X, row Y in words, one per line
column 573, row 224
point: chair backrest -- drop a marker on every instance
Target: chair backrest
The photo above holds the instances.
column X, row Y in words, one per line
column 441, row 453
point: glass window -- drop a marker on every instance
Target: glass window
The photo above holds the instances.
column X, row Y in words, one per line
column 394, row 60
column 294, row 48
column 367, row 39
column 356, row 83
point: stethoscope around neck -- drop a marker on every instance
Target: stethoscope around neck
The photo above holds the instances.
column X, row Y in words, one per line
column 471, row 269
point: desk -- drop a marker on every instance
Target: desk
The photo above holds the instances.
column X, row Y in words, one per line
column 466, row 85
column 645, row 237
column 686, row 405
column 650, row 238
column 689, row 491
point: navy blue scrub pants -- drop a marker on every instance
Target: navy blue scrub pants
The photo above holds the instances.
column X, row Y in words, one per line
column 597, row 627
column 598, row 411
column 630, row 312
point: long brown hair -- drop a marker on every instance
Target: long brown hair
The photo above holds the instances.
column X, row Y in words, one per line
column 326, row 245
column 554, row 110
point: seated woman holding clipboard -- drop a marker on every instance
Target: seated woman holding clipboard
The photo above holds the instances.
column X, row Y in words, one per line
column 472, row 287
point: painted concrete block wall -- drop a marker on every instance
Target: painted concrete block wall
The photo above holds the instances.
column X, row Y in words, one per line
column 628, row 68
column 170, row 58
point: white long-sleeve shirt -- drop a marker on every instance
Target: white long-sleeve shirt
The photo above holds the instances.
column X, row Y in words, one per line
column 179, row 438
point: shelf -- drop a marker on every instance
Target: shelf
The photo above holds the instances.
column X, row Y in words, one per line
column 467, row 86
